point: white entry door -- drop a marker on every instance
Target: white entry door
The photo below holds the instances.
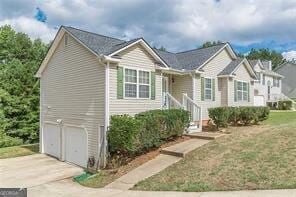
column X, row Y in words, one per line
column 51, row 139
column 75, row 144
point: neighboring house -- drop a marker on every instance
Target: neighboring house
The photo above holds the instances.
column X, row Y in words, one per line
column 288, row 70
column 86, row 78
column 267, row 89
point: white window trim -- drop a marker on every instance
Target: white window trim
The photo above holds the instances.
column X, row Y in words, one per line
column 242, row 91
column 207, row 99
column 137, row 83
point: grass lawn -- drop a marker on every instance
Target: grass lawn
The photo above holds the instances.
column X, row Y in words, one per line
column 17, row 151
column 257, row 157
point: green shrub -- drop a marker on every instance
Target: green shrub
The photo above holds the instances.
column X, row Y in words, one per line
column 146, row 130
column 159, row 125
column 285, row 105
column 220, row 116
column 223, row 116
column 6, row 141
column 122, row 134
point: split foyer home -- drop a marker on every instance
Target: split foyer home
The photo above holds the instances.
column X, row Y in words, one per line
column 86, row 78
column 268, row 87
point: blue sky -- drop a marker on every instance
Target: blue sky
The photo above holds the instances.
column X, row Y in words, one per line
column 176, row 25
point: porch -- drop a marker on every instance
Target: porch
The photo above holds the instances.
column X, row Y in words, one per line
column 177, row 93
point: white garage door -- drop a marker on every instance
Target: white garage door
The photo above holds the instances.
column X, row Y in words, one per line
column 259, row 101
column 76, row 145
column 52, row 139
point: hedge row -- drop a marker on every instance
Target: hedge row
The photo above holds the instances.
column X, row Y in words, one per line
column 132, row 135
column 224, row 116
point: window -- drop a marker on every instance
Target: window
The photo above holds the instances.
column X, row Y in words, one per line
column 276, row 82
column 136, row 83
column 242, row 91
column 208, row 89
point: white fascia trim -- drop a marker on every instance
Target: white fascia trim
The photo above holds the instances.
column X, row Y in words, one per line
column 249, row 67
column 55, row 44
column 51, row 51
column 221, row 76
column 146, row 46
column 225, row 46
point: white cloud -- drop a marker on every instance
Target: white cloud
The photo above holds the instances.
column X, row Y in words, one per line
column 289, row 55
column 32, row 27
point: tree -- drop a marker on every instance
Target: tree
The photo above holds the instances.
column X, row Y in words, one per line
column 20, row 58
column 162, row 48
column 210, row 43
column 267, row 54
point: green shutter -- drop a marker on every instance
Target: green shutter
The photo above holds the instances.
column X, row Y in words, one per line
column 235, row 90
column 152, row 85
column 202, row 88
column 213, row 90
column 248, row 89
column 119, row 82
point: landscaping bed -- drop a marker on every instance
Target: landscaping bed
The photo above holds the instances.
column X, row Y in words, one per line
column 252, row 157
column 106, row 176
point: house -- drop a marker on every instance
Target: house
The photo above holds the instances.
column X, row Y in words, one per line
column 288, row 70
column 86, row 78
column 268, row 87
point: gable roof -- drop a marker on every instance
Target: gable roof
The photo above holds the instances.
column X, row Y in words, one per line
column 192, row 59
column 231, row 67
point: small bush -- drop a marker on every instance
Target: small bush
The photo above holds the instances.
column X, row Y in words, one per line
column 219, row 115
column 122, row 134
column 224, row 116
column 285, row 105
column 6, row 141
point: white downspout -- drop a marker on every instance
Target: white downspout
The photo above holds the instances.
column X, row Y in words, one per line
column 107, row 110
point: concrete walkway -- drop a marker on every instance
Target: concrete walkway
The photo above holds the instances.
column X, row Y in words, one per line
column 142, row 172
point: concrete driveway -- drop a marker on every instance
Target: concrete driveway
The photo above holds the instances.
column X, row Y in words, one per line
column 34, row 170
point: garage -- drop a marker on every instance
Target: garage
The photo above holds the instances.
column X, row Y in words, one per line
column 52, row 139
column 75, row 144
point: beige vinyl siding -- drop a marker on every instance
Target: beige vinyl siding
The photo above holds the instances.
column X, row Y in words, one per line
column 242, row 74
column 134, row 57
column 211, row 70
column 72, row 89
column 223, row 87
column 182, row 84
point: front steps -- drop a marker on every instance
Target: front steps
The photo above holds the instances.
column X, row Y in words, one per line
column 183, row 148
column 205, row 135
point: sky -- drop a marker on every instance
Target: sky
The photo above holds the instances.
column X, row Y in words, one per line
column 178, row 25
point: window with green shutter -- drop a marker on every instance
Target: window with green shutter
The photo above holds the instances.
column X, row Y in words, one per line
column 213, row 90
column 153, row 85
column 241, row 90
column 119, row 82
column 235, row 90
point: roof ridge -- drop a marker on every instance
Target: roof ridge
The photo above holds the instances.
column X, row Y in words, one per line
column 165, row 51
column 94, row 33
column 202, row 48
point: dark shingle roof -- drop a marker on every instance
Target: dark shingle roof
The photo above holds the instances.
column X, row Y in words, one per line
column 98, row 43
column 231, row 67
column 253, row 62
column 189, row 60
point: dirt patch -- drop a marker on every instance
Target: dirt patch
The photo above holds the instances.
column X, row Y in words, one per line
column 107, row 176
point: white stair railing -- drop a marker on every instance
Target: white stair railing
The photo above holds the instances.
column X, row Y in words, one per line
column 194, row 110
column 169, row 102
column 281, row 97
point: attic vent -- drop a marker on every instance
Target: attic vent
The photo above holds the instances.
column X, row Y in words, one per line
column 66, row 40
